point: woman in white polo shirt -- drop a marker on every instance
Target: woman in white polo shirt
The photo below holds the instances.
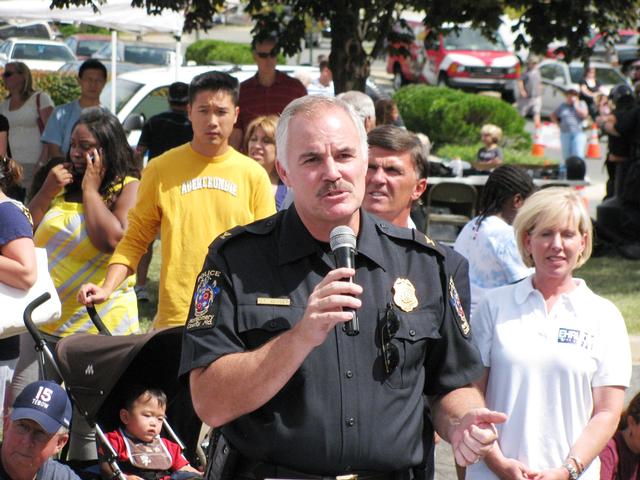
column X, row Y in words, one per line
column 557, row 355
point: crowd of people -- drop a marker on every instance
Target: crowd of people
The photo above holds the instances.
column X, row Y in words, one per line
column 462, row 342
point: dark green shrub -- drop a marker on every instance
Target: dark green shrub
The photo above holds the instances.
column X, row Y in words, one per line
column 62, row 88
column 450, row 116
column 210, row 52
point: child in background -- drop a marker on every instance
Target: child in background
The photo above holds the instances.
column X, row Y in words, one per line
column 142, row 453
column 620, row 459
column 489, row 156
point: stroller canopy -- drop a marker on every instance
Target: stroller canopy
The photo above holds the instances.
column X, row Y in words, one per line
column 99, row 370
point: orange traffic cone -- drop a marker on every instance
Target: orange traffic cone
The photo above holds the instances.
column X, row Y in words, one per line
column 537, row 150
column 593, row 149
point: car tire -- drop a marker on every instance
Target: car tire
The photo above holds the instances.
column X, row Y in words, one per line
column 443, row 80
column 508, row 96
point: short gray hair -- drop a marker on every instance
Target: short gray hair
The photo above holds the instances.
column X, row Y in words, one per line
column 308, row 106
column 361, row 102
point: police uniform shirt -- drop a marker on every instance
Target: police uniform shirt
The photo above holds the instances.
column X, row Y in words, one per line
column 628, row 124
column 340, row 411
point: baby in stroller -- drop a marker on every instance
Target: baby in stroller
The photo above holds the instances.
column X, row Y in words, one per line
column 142, row 452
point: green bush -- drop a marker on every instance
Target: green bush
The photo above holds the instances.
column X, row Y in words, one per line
column 210, row 52
column 62, row 88
column 511, row 155
column 450, row 116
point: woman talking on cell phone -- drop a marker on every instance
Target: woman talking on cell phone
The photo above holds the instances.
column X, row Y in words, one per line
column 80, row 214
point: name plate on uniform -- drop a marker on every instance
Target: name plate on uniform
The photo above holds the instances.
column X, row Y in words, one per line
column 283, row 302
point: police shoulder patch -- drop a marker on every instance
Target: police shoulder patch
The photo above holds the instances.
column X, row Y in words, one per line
column 205, row 302
column 458, row 311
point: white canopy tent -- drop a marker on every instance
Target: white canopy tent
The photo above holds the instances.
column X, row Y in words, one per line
column 116, row 15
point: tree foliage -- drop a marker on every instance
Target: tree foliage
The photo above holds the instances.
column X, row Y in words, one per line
column 360, row 27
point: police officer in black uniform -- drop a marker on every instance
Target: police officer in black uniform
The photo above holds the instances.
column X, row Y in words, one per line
column 269, row 360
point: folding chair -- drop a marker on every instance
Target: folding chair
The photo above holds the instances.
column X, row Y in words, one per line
column 450, row 205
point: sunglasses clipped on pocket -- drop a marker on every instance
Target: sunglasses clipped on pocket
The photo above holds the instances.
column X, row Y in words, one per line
column 388, row 329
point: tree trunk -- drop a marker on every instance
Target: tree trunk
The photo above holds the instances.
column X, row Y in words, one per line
column 348, row 61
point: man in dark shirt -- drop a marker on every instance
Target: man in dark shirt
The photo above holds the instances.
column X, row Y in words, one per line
column 36, row 430
column 265, row 345
column 168, row 129
column 163, row 132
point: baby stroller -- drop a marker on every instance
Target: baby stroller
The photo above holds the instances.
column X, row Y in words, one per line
column 98, row 370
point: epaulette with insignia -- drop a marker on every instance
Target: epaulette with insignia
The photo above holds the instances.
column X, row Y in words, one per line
column 260, row 227
column 410, row 234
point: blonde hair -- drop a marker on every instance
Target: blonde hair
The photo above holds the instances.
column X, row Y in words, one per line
column 553, row 207
column 494, row 131
column 267, row 123
column 27, row 87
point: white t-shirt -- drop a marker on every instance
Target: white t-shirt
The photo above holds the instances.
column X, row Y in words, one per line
column 24, row 135
column 493, row 256
column 543, row 367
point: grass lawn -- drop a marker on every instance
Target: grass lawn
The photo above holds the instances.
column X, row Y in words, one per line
column 616, row 279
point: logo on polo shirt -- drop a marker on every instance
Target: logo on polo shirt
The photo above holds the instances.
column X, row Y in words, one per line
column 575, row 337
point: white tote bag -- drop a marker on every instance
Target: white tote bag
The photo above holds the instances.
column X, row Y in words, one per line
column 14, row 301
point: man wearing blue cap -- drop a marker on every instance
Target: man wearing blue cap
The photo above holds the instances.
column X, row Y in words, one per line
column 36, row 429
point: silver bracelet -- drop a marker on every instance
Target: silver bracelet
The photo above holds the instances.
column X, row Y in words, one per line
column 573, row 471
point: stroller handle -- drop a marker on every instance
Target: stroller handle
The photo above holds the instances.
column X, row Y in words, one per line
column 40, row 344
column 97, row 321
column 28, row 312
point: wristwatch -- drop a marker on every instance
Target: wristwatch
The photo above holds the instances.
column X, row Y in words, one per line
column 573, row 471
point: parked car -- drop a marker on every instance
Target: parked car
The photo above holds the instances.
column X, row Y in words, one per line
column 462, row 58
column 83, row 45
column 37, row 54
column 142, row 93
column 558, row 75
column 624, row 50
column 139, row 53
column 28, row 29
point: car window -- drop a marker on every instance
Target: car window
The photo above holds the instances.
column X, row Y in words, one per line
column 576, row 74
column 125, row 89
column 552, row 73
column 631, row 39
column 154, row 103
column 608, row 76
column 37, row 30
column 146, row 54
column 86, row 48
column 38, row 51
column 471, row 39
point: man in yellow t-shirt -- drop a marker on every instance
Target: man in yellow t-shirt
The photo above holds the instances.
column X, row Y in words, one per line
column 192, row 194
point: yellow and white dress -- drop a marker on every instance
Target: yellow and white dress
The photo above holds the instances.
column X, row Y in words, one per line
column 74, row 260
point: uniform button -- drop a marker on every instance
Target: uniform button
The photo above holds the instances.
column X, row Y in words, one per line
column 347, row 468
column 269, row 223
column 351, row 422
column 412, row 333
column 349, row 374
column 272, row 324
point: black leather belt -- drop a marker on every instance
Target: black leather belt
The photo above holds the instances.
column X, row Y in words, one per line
column 261, row 470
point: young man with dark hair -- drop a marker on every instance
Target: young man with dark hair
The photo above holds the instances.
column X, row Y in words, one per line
column 92, row 78
column 163, row 132
column 268, row 91
column 191, row 194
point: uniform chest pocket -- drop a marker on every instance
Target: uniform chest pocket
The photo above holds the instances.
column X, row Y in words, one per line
column 257, row 324
column 415, row 333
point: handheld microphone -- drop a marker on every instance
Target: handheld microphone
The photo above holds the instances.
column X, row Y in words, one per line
column 343, row 245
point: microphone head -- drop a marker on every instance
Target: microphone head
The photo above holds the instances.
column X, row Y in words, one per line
column 342, row 236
